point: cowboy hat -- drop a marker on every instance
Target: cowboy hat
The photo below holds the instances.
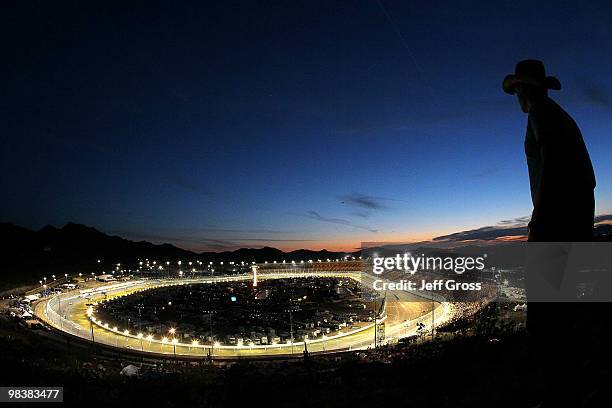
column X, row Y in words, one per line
column 530, row 72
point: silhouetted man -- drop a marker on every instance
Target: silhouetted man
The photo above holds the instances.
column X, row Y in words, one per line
column 562, row 182
column 560, row 171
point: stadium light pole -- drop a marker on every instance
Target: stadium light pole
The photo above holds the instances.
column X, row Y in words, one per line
column 375, row 322
column 140, row 336
column 172, row 331
column 174, row 341
column 149, row 339
column 164, row 341
column 212, row 349
column 210, row 317
column 89, row 315
column 126, row 333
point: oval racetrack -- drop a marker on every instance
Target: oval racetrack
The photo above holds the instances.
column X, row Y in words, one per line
column 67, row 312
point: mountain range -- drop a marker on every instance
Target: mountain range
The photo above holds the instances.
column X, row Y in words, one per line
column 76, row 247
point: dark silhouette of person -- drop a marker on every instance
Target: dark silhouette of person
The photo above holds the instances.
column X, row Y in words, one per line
column 561, row 176
column 562, row 185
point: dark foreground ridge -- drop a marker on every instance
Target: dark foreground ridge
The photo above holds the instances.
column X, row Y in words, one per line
column 476, row 371
column 501, row 371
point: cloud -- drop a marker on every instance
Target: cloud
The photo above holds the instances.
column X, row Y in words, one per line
column 519, row 221
column 277, row 240
column 516, row 227
column 241, row 231
column 483, row 234
column 505, row 228
column 368, row 202
column 316, row 216
column 215, row 244
column 603, row 217
column 363, row 201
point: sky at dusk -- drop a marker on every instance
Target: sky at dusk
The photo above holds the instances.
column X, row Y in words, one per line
column 290, row 124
